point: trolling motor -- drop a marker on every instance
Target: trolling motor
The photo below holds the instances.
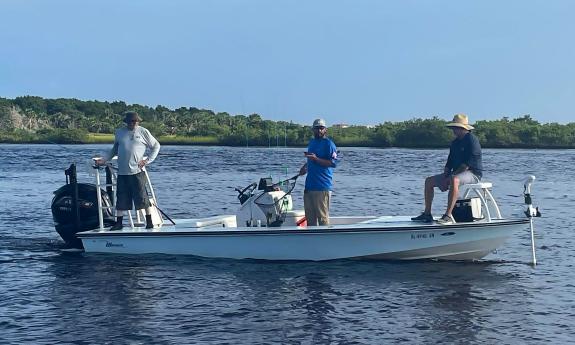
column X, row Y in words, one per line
column 530, row 212
column 75, row 208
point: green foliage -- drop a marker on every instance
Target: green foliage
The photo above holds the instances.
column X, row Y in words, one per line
column 62, row 120
column 97, row 138
column 424, row 133
column 177, row 140
column 36, row 104
column 17, row 136
column 63, row 136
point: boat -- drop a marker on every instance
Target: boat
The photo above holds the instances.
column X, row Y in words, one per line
column 266, row 227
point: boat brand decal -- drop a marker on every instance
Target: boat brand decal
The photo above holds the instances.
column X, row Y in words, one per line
column 112, row 244
column 422, row 236
column 448, row 233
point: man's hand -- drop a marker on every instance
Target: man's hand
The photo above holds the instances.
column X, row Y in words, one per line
column 311, row 156
column 142, row 163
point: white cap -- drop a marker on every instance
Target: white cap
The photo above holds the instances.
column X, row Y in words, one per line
column 319, row 123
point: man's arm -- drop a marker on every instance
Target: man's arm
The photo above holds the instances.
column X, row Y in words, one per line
column 447, row 168
column 331, row 162
column 323, row 162
column 113, row 152
column 153, row 145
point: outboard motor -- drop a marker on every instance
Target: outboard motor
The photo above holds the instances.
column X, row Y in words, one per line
column 75, row 208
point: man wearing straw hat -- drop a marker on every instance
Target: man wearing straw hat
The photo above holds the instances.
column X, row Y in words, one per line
column 130, row 144
column 463, row 166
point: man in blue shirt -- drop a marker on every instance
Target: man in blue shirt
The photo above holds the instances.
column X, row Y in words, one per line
column 463, row 166
column 321, row 157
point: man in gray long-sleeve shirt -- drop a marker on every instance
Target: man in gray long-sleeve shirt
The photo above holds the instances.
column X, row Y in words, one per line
column 130, row 145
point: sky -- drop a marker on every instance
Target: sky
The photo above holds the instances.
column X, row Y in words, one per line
column 360, row 62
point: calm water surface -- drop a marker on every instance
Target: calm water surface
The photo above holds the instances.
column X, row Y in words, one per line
column 49, row 296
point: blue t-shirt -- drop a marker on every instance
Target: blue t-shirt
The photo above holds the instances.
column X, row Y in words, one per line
column 319, row 178
column 466, row 150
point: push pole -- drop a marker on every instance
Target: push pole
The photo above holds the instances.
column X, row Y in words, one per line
column 531, row 212
column 534, row 260
column 99, row 196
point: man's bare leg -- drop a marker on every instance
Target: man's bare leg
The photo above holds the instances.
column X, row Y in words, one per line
column 453, row 194
column 429, row 193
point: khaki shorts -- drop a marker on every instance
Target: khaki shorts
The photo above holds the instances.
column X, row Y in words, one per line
column 316, row 205
column 466, row 177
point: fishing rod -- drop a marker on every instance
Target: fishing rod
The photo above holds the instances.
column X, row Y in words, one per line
column 283, row 182
column 59, row 145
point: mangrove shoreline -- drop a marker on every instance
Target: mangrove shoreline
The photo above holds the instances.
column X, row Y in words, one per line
column 32, row 119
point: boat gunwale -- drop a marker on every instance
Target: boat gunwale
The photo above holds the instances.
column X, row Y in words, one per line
column 329, row 229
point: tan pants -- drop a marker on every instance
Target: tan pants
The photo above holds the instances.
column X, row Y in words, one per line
column 316, row 205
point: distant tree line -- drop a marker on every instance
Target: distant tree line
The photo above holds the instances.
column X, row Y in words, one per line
column 64, row 120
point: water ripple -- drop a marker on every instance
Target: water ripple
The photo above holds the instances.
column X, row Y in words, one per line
column 52, row 296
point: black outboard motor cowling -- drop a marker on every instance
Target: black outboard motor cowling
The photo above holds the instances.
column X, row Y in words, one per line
column 75, row 209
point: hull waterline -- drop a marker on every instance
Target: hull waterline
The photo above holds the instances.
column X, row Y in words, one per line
column 389, row 240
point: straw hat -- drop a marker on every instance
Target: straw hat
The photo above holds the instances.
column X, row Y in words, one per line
column 460, row 120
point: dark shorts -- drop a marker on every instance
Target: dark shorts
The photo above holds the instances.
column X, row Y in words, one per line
column 132, row 188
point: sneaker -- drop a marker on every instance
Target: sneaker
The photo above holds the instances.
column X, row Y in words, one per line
column 446, row 219
column 423, row 217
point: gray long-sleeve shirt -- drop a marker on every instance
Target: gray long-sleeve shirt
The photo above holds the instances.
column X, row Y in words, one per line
column 130, row 146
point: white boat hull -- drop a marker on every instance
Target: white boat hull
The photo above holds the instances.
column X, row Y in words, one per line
column 386, row 238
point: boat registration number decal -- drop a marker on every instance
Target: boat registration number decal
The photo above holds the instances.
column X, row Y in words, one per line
column 422, row 236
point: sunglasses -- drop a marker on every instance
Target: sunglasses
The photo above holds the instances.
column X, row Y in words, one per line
column 319, row 128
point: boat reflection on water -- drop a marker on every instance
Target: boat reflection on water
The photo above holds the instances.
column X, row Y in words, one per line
column 334, row 302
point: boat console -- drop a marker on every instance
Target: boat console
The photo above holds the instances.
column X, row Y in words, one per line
column 269, row 206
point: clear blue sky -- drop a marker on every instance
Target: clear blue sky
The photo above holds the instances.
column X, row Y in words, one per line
column 350, row 61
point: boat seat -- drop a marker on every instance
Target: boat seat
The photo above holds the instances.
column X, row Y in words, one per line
column 482, row 191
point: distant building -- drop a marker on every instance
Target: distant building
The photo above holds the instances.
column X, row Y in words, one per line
column 343, row 125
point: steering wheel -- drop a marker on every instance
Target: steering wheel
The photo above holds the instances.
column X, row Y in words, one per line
column 248, row 189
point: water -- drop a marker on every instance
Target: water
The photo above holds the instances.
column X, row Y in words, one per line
column 49, row 296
